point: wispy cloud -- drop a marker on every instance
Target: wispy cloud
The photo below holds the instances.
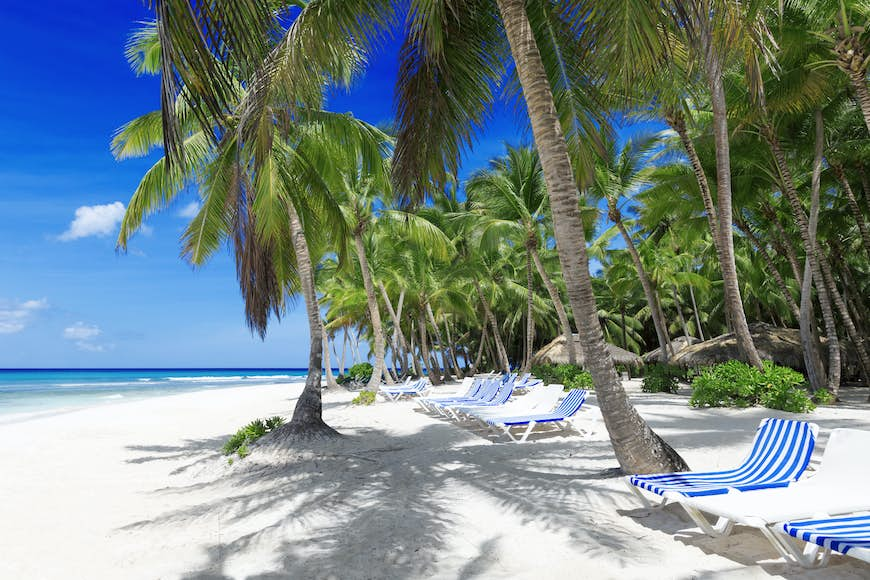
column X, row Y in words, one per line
column 15, row 316
column 84, row 336
column 189, row 211
column 94, row 220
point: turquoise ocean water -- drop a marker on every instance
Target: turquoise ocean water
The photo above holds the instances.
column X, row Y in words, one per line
column 34, row 391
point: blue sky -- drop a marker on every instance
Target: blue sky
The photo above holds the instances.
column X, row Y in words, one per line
column 66, row 298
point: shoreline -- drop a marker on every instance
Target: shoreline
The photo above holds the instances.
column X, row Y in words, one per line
column 139, row 489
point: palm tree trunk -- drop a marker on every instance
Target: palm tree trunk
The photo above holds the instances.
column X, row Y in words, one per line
column 771, row 266
column 813, row 255
column 502, row 359
column 434, row 375
column 451, row 350
column 733, row 300
column 530, row 318
column 418, row 368
column 397, row 325
column 862, row 94
column 816, row 374
column 677, row 122
column 638, row 449
column 570, row 345
column 853, row 206
column 341, row 367
column 649, row 291
column 476, row 368
column 307, row 420
column 327, row 363
column 680, row 311
column 695, row 312
column 380, row 366
column 442, row 348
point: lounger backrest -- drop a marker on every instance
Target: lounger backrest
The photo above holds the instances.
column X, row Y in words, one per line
column 846, row 459
column 488, row 391
column 545, row 397
column 503, row 394
column 780, row 452
column 571, row 403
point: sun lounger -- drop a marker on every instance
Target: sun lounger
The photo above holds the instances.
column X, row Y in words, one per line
column 849, row 535
column 569, row 406
column 837, row 487
column 395, row 393
column 488, row 393
column 780, row 453
column 540, row 400
column 477, row 384
column 501, row 397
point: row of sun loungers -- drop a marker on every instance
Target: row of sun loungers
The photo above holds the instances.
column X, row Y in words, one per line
column 829, row 510
column 504, row 403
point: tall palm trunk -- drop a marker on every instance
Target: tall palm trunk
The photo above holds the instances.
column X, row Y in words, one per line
column 397, row 325
column 530, row 318
column 814, row 260
column 695, row 312
column 638, row 449
column 680, row 314
column 434, row 375
column 451, row 349
column 341, row 366
column 649, row 291
column 327, row 363
column 733, row 300
column 476, row 368
column 501, row 352
column 570, row 344
column 380, row 366
column 442, row 346
column 307, row 420
column 677, row 121
column 853, row 206
column 771, row 266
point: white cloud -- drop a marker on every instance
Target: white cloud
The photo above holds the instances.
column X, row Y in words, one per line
column 15, row 316
column 84, row 335
column 82, row 331
column 94, row 220
column 189, row 211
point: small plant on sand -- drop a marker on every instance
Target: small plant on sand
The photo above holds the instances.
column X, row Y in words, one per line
column 364, row 398
column 240, row 440
column 823, row 397
column 735, row 384
column 572, row 376
column 659, row 378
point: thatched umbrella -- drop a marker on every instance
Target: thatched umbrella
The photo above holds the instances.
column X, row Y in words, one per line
column 678, row 344
column 556, row 353
column 780, row 345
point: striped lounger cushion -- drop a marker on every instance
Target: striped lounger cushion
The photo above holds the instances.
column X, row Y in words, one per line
column 847, row 535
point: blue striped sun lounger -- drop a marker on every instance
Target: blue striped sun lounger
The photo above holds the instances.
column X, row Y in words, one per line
column 410, row 389
column 780, row 453
column 428, row 403
column 569, row 406
column 487, row 393
column 849, row 535
column 501, row 397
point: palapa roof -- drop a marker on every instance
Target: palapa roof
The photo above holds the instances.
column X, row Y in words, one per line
column 678, row 344
column 556, row 353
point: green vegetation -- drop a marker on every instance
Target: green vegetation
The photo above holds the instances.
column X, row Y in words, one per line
column 735, row 384
column 823, row 397
column 248, row 434
column 364, row 398
column 659, row 378
column 571, row 376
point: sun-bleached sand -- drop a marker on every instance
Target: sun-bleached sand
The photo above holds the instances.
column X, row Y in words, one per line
column 140, row 490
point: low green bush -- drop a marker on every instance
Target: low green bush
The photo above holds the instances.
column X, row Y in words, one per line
column 735, row 384
column 240, row 440
column 823, row 397
column 661, row 378
column 364, row 398
column 572, row 376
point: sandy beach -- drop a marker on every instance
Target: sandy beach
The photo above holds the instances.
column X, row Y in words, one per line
column 140, row 490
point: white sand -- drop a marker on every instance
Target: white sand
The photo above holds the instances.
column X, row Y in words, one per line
column 139, row 490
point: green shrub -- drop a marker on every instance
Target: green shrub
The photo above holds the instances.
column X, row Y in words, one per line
column 572, row 376
column 823, row 397
column 364, row 398
column 239, row 441
column 361, row 372
column 735, row 384
column 660, row 378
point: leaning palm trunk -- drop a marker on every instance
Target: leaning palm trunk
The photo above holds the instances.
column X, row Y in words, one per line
column 530, row 318
column 502, row 359
column 556, row 299
column 677, row 122
column 649, row 291
column 380, row 367
column 327, row 363
column 399, row 336
column 733, row 300
column 814, row 260
column 476, row 367
column 638, row 449
column 695, row 312
column 771, row 266
column 442, row 346
column 853, row 206
column 307, row 420
column 434, row 375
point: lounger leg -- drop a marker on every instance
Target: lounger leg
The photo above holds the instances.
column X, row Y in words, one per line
column 722, row 527
column 636, row 491
column 811, row 556
column 507, row 431
column 527, row 432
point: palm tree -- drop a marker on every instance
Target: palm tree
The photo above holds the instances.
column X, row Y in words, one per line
column 512, row 198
